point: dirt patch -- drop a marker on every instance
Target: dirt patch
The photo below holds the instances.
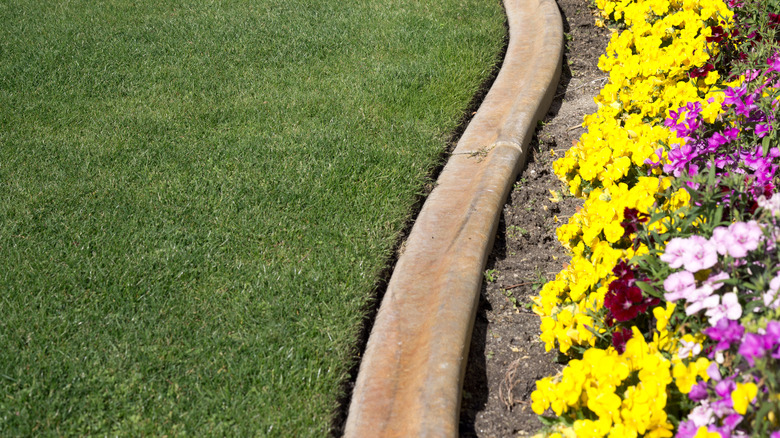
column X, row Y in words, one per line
column 506, row 356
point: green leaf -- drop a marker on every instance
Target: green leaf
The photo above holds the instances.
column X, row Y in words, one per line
column 649, row 289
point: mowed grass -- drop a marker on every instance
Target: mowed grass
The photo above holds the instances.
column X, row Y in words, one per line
column 197, row 197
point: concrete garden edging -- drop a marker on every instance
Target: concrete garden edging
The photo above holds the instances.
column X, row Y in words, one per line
column 411, row 374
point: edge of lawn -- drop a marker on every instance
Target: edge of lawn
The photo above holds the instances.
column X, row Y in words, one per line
column 380, row 287
column 412, row 370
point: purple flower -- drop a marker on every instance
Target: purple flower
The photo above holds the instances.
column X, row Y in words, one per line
column 724, row 406
column 687, row 429
column 732, row 421
column 762, row 130
column 679, row 157
column 734, row 95
column 714, row 372
column 698, row 391
column 773, row 330
column 724, row 388
column 743, row 104
column 725, row 332
column 752, row 347
column 755, row 160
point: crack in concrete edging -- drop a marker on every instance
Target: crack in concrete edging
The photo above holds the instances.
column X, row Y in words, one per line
column 411, row 374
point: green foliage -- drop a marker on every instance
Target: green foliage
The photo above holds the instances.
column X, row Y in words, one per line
column 515, row 231
column 491, row 275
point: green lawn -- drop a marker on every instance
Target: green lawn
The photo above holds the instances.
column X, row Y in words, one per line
column 196, row 199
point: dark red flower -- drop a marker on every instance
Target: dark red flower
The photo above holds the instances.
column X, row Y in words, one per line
column 624, row 299
column 700, row 72
column 623, row 271
column 625, row 302
column 631, row 220
column 717, row 34
column 620, row 337
column 774, row 20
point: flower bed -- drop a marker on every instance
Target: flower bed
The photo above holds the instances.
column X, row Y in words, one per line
column 668, row 310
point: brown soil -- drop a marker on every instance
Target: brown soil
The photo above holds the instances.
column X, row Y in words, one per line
column 506, row 356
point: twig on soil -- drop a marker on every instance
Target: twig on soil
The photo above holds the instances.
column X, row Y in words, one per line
column 605, row 78
column 513, row 286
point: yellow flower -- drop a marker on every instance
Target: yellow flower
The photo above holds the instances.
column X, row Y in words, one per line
column 685, row 376
column 743, row 395
column 702, row 432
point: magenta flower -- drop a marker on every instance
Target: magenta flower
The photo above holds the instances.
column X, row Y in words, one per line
column 762, row 130
column 687, row 429
column 725, row 332
column 752, row 347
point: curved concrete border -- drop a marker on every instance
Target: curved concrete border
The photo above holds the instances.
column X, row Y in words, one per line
column 411, row 375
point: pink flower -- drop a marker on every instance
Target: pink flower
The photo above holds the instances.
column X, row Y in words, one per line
column 687, row 348
column 729, row 308
column 678, row 285
column 772, row 204
column 716, row 280
column 674, row 252
column 702, row 415
column 699, row 254
column 701, row 298
column 722, row 239
column 746, row 237
column 771, row 298
column 694, row 253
